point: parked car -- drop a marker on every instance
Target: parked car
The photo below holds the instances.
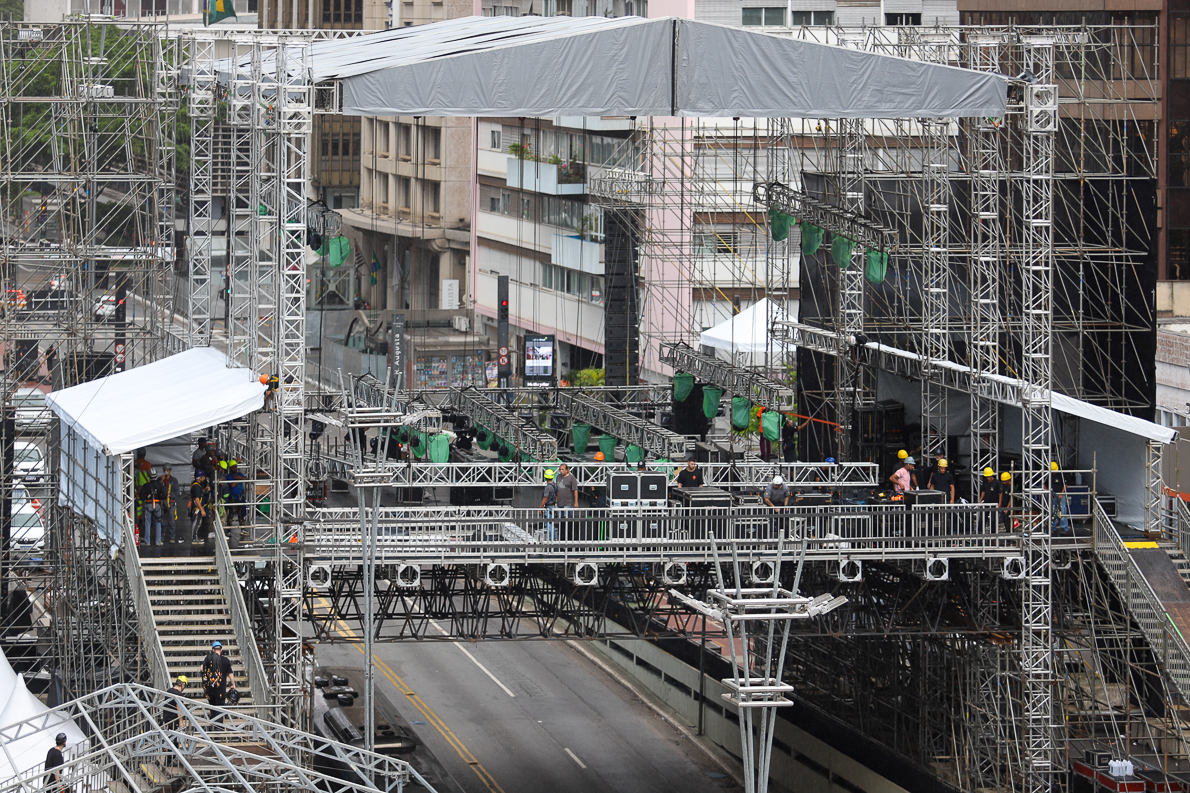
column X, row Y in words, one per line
column 105, row 308
column 29, row 464
column 30, row 411
column 28, row 530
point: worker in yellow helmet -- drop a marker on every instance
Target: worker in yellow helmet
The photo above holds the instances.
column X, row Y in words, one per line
column 942, row 479
column 549, row 500
column 1061, row 506
column 989, row 488
column 1006, row 500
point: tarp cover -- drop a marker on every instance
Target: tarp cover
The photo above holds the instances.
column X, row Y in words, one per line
column 105, row 418
column 747, row 331
column 171, row 397
column 630, row 66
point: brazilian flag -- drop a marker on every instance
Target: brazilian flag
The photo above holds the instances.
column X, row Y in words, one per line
column 216, row 11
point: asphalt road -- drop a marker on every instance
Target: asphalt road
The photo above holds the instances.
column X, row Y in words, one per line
column 531, row 717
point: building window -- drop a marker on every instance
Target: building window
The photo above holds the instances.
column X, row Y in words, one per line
column 716, row 242
column 433, row 143
column 547, row 276
column 810, row 18
column 405, row 141
column 505, row 200
column 493, row 204
column 902, row 20
column 768, row 17
column 1177, row 262
column 404, row 189
column 383, row 184
column 433, row 197
column 1179, row 47
column 382, row 139
column 526, row 208
column 495, row 140
column 596, row 294
column 510, row 11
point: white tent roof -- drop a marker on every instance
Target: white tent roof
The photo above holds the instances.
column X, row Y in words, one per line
column 25, row 749
column 630, row 66
column 189, row 391
column 747, row 331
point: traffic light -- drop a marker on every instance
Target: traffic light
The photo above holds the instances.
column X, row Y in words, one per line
column 504, row 357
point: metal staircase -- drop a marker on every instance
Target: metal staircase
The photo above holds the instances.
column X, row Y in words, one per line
column 1142, row 602
column 190, row 610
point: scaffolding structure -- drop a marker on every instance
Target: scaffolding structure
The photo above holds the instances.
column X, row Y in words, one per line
column 87, row 165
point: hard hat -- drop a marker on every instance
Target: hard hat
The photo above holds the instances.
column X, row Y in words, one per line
column 233, row 696
column 1004, row 477
column 909, row 460
column 223, row 464
column 1053, row 466
column 232, row 464
column 988, row 472
column 830, row 460
column 942, row 462
column 902, row 454
column 216, row 644
column 152, row 470
column 198, row 472
column 549, row 473
column 778, row 481
column 60, row 739
column 599, row 457
column 183, row 679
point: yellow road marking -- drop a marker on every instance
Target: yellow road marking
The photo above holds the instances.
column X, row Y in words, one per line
column 433, row 718
column 1141, row 544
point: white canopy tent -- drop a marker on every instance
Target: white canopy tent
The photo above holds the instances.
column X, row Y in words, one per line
column 748, row 331
column 26, row 749
column 105, row 418
column 631, row 66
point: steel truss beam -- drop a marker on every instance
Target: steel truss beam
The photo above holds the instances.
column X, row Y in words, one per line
column 483, row 535
column 525, row 437
column 749, row 471
column 212, row 749
column 657, row 441
column 846, row 222
column 734, row 380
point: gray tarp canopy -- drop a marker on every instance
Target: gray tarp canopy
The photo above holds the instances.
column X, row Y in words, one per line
column 630, row 66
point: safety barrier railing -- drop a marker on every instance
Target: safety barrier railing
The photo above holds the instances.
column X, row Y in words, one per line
column 258, row 681
column 455, row 534
column 1166, row 641
column 150, row 639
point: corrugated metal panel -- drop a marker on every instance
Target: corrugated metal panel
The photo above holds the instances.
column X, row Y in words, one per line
column 902, row 6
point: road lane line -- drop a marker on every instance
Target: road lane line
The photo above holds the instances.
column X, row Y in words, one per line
column 574, row 757
column 433, row 718
column 475, row 661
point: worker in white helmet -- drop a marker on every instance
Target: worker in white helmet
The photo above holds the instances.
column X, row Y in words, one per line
column 776, row 495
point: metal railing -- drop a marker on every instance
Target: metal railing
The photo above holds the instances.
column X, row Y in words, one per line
column 1166, row 641
column 258, row 680
column 453, row 535
column 150, row 639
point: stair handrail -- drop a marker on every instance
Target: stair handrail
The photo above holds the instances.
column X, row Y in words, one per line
column 258, row 681
column 1169, row 646
column 1182, row 519
column 149, row 637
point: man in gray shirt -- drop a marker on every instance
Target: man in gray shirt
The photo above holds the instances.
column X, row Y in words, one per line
column 776, row 495
column 567, row 488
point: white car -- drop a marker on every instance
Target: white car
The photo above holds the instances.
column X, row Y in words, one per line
column 105, row 308
column 30, row 410
column 28, row 462
column 28, row 530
